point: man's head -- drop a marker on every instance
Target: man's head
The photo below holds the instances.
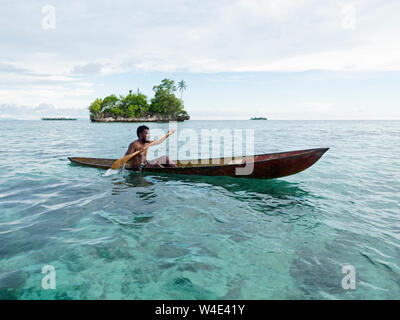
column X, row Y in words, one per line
column 143, row 133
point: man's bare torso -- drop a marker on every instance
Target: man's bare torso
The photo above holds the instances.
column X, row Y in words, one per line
column 140, row 159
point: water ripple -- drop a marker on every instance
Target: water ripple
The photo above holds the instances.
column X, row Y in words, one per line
column 134, row 236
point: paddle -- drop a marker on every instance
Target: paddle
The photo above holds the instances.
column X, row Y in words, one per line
column 120, row 162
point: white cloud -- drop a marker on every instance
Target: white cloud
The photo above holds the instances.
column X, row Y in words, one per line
column 22, row 112
column 87, row 69
column 207, row 36
column 54, row 66
column 61, row 95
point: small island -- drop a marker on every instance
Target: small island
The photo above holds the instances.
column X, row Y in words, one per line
column 258, row 118
column 135, row 107
column 61, row 118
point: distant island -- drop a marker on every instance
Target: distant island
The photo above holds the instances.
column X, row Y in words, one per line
column 62, row 118
column 135, row 107
column 258, row 118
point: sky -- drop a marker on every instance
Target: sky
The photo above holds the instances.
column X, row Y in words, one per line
column 303, row 59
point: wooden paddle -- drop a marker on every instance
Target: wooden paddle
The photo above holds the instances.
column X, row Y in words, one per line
column 120, row 162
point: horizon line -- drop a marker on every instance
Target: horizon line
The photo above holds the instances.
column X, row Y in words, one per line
column 77, row 119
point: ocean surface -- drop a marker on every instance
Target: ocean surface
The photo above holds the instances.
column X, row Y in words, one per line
column 136, row 236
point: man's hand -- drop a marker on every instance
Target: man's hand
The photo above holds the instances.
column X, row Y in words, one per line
column 171, row 132
column 164, row 137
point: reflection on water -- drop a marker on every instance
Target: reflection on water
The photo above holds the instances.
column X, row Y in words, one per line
column 274, row 187
column 124, row 181
column 270, row 197
column 229, row 200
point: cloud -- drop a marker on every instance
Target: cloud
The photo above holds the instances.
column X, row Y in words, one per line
column 209, row 36
column 6, row 67
column 39, row 111
column 87, row 69
column 61, row 93
column 94, row 39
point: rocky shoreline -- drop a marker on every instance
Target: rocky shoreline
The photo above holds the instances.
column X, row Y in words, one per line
column 150, row 118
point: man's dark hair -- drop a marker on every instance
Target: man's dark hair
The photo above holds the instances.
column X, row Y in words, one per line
column 140, row 129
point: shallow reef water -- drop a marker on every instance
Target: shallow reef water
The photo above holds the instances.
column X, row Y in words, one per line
column 145, row 236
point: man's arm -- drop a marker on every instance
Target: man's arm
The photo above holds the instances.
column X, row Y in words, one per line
column 131, row 149
column 161, row 140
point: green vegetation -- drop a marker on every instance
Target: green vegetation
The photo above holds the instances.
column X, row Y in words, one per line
column 182, row 87
column 136, row 105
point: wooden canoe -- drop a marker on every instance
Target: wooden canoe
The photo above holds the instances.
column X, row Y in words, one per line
column 264, row 166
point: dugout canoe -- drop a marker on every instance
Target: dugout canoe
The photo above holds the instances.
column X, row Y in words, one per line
column 262, row 166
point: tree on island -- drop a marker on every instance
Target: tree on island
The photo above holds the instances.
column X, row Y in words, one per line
column 182, row 87
column 164, row 101
column 136, row 105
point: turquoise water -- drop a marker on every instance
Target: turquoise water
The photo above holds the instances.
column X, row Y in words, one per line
column 134, row 236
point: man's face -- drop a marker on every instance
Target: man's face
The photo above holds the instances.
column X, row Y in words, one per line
column 145, row 135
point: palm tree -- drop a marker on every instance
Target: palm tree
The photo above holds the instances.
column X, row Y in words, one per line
column 182, row 87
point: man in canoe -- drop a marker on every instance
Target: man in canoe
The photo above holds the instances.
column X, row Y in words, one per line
column 140, row 160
